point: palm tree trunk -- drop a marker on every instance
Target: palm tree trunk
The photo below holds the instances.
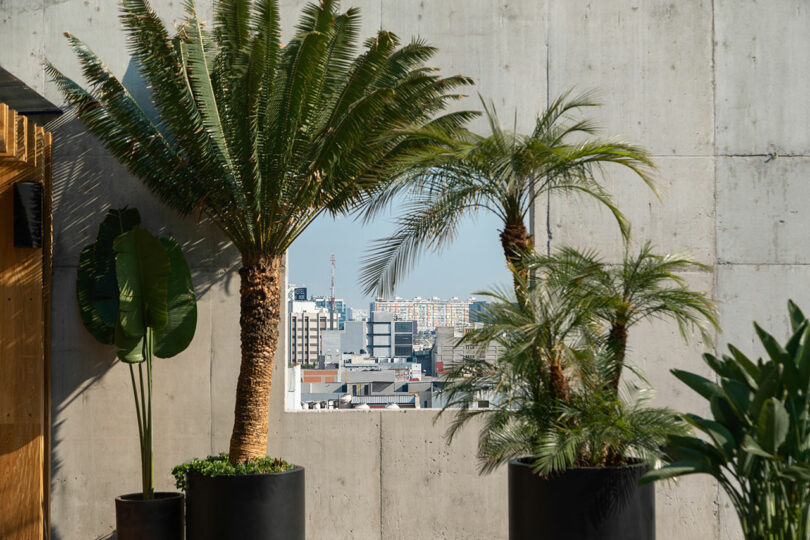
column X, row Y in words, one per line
column 617, row 345
column 516, row 242
column 260, row 292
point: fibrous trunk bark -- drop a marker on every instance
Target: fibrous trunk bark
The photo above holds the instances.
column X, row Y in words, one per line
column 260, row 293
column 617, row 344
column 517, row 242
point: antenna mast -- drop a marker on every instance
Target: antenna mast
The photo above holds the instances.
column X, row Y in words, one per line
column 332, row 296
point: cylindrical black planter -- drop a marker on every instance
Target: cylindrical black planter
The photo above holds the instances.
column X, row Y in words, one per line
column 160, row 518
column 604, row 503
column 248, row 507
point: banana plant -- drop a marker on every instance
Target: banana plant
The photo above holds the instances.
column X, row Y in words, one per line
column 757, row 444
column 135, row 292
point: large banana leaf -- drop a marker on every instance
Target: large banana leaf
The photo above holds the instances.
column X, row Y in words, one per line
column 142, row 269
column 181, row 305
column 130, row 349
column 105, row 286
column 96, row 285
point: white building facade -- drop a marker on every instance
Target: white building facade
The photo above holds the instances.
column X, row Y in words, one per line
column 428, row 313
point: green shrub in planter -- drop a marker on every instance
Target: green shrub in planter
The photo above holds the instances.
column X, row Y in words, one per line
column 220, row 466
column 575, row 439
column 757, row 443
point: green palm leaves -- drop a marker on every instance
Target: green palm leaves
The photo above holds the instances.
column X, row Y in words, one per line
column 135, row 292
column 262, row 137
column 644, row 286
column 554, row 382
column 757, row 443
column 505, row 173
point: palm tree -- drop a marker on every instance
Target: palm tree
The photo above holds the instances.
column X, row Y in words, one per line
column 642, row 286
column 262, row 138
column 504, row 173
column 556, row 324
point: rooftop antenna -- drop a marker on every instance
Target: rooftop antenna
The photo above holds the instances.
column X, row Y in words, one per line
column 332, row 296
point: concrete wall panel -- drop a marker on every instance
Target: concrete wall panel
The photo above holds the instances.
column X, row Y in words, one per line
column 430, row 489
column 22, row 41
column 680, row 219
column 761, row 210
column 341, row 453
column 649, row 62
column 763, row 91
column 748, row 293
column 499, row 43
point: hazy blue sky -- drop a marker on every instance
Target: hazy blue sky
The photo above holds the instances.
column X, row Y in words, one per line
column 473, row 263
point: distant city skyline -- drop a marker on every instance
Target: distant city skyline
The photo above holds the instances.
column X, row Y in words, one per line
column 473, row 263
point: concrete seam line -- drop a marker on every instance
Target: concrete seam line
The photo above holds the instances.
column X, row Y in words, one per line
column 715, row 280
column 212, row 348
column 382, row 536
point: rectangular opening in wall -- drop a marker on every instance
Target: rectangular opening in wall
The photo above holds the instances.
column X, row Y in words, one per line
column 348, row 347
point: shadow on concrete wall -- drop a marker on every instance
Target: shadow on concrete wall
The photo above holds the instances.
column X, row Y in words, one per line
column 87, row 182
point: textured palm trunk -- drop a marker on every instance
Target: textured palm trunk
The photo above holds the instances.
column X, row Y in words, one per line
column 617, row 344
column 260, row 292
column 516, row 242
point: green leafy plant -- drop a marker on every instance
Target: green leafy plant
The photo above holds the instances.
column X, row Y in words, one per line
column 645, row 286
column 562, row 327
column 220, row 466
column 757, row 443
column 505, row 173
column 262, row 138
column 135, row 292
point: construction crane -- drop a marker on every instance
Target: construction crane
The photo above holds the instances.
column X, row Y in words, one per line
column 332, row 296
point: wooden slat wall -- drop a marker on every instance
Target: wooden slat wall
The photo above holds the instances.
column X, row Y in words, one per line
column 24, row 309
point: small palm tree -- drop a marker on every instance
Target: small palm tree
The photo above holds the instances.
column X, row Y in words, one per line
column 504, row 173
column 643, row 286
column 589, row 424
column 262, row 138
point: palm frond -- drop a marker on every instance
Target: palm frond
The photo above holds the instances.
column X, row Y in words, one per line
column 264, row 138
column 509, row 170
column 572, row 305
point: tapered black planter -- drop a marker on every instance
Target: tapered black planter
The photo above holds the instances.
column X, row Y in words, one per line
column 247, row 507
column 160, row 518
column 580, row 504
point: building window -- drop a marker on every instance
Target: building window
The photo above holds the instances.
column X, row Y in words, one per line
column 403, row 339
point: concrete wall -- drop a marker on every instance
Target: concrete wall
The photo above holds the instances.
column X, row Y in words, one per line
column 710, row 87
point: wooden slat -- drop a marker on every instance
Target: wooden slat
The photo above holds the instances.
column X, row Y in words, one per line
column 21, row 138
column 24, row 399
column 47, row 271
column 21, row 448
column 3, row 137
column 6, row 131
column 30, row 147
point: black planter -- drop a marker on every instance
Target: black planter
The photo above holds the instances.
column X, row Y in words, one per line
column 248, row 507
column 580, row 504
column 160, row 518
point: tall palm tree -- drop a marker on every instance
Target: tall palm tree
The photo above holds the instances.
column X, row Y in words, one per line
column 643, row 286
column 262, row 138
column 504, row 173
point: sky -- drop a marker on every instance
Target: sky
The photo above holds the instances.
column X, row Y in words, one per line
column 473, row 263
